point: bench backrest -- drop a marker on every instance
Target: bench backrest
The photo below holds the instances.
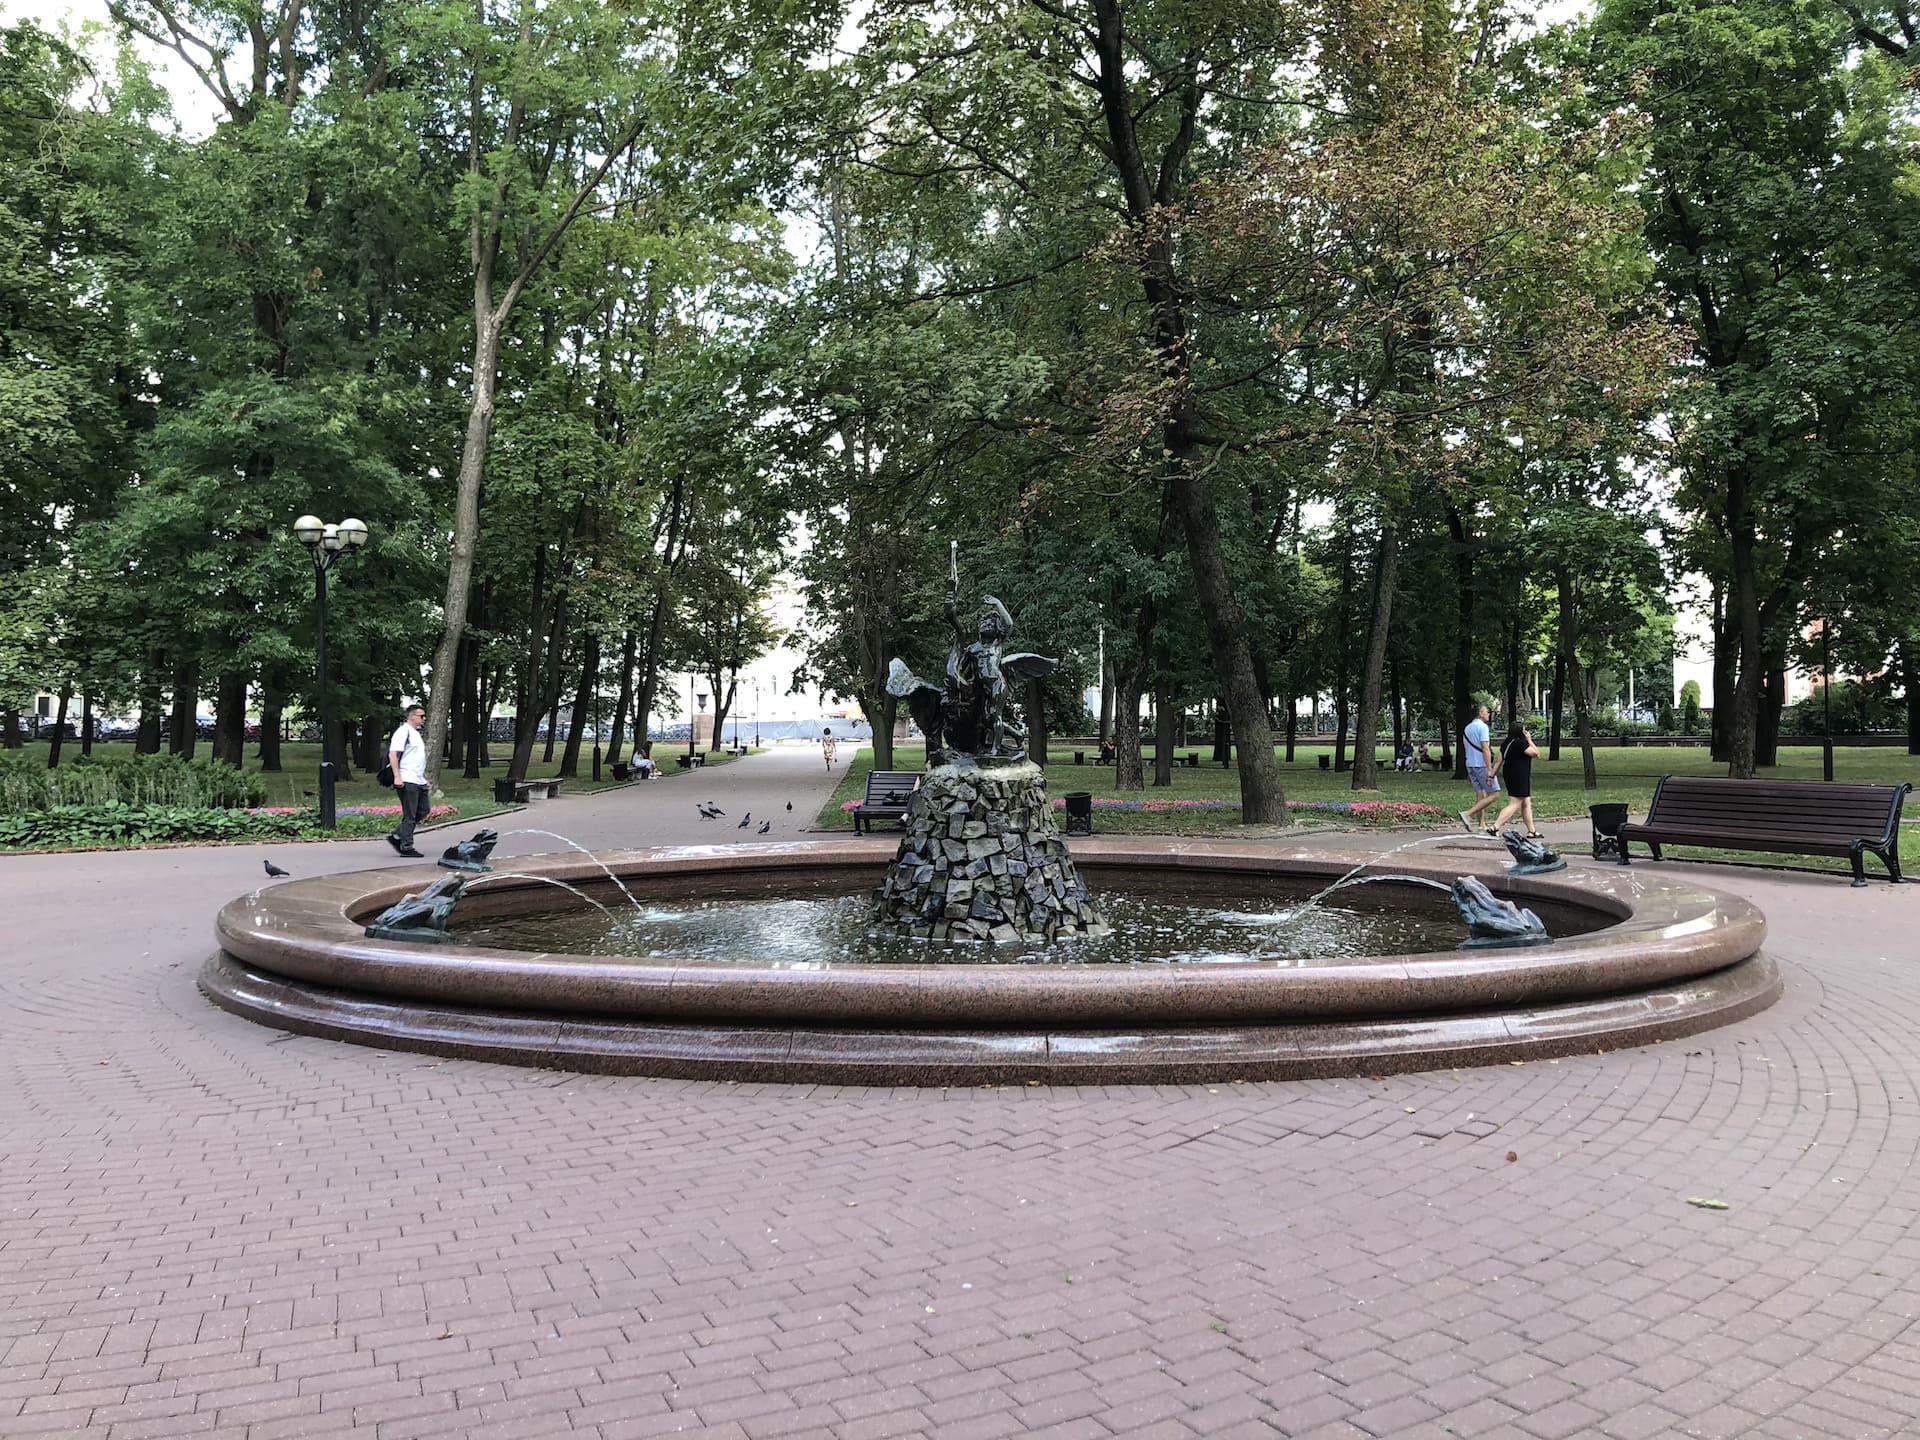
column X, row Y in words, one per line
column 891, row 787
column 1806, row 808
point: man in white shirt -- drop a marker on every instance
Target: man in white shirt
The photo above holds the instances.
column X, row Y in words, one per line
column 407, row 754
column 1481, row 769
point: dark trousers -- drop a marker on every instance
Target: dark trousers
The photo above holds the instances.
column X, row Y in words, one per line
column 415, row 801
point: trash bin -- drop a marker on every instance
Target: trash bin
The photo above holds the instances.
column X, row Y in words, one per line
column 1607, row 820
column 1326, row 762
column 1079, row 757
column 1079, row 812
column 503, row 792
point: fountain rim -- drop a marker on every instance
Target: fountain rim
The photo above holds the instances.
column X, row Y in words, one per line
column 309, row 932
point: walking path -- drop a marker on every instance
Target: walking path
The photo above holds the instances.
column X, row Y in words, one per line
column 211, row 1228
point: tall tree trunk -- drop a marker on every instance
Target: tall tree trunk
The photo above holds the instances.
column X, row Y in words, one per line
column 1743, row 726
column 183, row 732
column 479, row 742
column 340, row 745
column 273, row 705
column 1512, row 663
column 553, row 702
column 1559, row 702
column 1037, row 736
column 1293, row 722
column 1910, row 682
column 1393, row 706
column 86, row 724
column 1129, row 683
column 1366, row 735
column 582, row 699
column 1262, row 801
column 1726, row 656
column 1569, row 649
column 473, row 717
column 230, row 718
column 146, row 736
column 1106, row 699
column 59, row 738
column 1465, row 598
column 617, row 735
column 722, row 703
column 466, row 512
column 374, row 734
column 459, row 714
column 526, row 717
column 1773, row 699
column 874, row 709
column 1166, row 721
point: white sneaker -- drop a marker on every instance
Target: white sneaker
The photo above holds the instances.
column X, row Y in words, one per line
column 1466, row 821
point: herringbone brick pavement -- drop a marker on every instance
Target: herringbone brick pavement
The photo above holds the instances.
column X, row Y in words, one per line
column 209, row 1228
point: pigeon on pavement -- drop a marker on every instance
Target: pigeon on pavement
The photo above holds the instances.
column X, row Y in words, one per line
column 274, row 870
column 789, row 804
column 745, row 821
column 765, row 826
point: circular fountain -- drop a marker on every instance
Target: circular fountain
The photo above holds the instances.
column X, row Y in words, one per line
column 980, row 954
column 1634, row 960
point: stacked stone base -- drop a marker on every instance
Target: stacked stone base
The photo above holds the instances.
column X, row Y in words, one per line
column 983, row 860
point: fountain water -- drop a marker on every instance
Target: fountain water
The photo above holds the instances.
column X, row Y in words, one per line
column 576, row 845
column 548, row 880
column 1348, row 879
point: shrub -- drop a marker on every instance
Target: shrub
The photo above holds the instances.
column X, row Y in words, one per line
column 1690, row 708
column 117, row 823
column 26, row 785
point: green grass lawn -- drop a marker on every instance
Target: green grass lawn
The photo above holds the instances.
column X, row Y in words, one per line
column 1625, row 775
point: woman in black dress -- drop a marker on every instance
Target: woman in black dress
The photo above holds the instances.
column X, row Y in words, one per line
column 1515, row 766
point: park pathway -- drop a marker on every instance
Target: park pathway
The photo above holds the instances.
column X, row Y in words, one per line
column 212, row 1228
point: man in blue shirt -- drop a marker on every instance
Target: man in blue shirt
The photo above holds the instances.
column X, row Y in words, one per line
column 1482, row 770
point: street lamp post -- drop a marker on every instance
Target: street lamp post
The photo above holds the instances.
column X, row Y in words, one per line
column 693, row 726
column 756, row 714
column 1826, row 699
column 326, row 544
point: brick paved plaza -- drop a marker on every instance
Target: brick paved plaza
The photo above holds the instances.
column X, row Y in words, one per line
column 211, row 1228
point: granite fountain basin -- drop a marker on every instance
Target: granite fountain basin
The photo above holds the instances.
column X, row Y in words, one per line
column 1656, row 959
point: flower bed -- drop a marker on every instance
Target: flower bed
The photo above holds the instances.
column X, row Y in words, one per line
column 437, row 813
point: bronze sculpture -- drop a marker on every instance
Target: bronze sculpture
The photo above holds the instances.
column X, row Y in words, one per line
column 471, row 855
column 1493, row 921
column 1531, row 857
column 423, row 916
column 967, row 716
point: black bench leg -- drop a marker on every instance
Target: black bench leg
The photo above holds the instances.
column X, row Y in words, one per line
column 1625, row 859
column 1857, row 853
column 1890, row 857
column 1654, row 847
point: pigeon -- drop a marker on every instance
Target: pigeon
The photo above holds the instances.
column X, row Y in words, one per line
column 765, row 826
column 745, row 822
column 789, row 804
column 274, row 870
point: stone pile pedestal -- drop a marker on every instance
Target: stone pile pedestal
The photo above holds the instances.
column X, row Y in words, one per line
column 983, row 860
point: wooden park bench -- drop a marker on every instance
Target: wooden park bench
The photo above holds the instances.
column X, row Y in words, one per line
column 1783, row 817
column 695, row 761
column 888, row 794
